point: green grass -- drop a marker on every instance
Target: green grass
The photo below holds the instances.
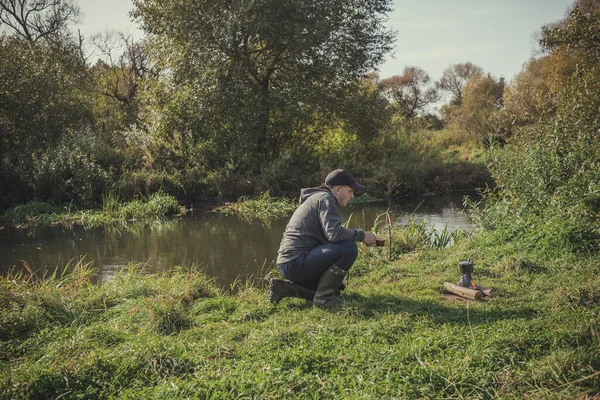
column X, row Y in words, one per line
column 114, row 210
column 264, row 208
column 179, row 336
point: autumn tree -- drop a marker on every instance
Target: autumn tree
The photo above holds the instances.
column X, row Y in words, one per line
column 410, row 93
column 534, row 93
column 549, row 172
column 482, row 96
column 572, row 47
column 454, row 79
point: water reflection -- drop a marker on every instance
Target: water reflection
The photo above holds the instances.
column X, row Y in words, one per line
column 225, row 246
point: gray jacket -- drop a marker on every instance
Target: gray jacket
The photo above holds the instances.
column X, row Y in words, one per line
column 315, row 222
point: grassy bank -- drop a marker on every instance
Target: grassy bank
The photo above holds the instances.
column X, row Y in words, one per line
column 145, row 336
column 114, row 210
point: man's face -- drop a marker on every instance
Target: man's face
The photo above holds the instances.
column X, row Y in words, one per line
column 343, row 194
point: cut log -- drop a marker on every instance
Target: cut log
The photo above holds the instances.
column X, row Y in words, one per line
column 462, row 291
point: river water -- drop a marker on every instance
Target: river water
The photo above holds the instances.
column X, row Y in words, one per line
column 226, row 247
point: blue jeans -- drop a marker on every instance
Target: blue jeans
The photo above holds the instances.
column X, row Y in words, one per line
column 308, row 268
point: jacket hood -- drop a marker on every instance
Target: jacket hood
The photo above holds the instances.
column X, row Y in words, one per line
column 307, row 192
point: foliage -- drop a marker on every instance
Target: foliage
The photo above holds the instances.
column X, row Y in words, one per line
column 51, row 76
column 158, row 204
column 444, row 238
column 41, row 87
column 548, row 181
column 294, row 99
column 245, row 91
column 33, row 211
column 79, row 168
column 534, row 92
column 580, row 32
column 424, row 162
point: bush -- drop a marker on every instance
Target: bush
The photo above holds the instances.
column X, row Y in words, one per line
column 79, row 169
column 548, row 177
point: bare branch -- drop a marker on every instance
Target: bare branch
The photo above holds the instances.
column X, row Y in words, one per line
column 38, row 19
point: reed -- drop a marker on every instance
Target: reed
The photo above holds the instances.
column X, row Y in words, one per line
column 445, row 237
column 264, row 208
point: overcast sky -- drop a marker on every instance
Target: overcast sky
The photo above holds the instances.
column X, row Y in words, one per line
column 497, row 35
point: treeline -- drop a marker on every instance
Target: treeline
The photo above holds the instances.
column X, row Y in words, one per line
column 227, row 99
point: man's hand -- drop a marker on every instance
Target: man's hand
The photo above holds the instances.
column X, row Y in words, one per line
column 370, row 238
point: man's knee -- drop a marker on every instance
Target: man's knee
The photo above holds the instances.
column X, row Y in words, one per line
column 350, row 252
column 351, row 248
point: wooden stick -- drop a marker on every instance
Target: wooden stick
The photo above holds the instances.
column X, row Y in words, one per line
column 463, row 291
column 486, row 291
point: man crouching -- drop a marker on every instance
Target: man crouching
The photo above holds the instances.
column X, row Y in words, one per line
column 316, row 251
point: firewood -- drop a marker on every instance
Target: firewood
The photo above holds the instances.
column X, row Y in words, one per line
column 463, row 291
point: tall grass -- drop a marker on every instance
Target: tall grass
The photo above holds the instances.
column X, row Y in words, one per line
column 33, row 212
column 445, row 237
column 414, row 235
column 264, row 208
column 114, row 210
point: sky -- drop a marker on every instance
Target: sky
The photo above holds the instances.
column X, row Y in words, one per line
column 497, row 35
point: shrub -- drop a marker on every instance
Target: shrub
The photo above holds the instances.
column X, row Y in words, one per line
column 548, row 194
column 79, row 169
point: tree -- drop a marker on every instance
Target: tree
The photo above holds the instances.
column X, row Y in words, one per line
column 482, row 96
column 587, row 6
column 534, row 93
column 37, row 101
column 410, row 93
column 38, row 19
column 580, row 32
column 251, row 73
column 118, row 78
column 43, row 95
column 455, row 78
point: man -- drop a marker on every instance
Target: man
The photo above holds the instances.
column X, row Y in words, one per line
column 316, row 251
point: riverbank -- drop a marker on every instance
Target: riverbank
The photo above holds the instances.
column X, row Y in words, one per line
column 146, row 336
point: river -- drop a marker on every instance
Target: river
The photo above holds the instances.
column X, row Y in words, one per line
column 226, row 247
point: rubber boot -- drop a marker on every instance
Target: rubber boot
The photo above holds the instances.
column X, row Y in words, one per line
column 328, row 287
column 279, row 289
